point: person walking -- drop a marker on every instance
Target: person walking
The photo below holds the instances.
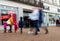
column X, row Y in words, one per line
column 20, row 24
column 36, row 17
column 40, row 20
column 11, row 23
column 45, row 24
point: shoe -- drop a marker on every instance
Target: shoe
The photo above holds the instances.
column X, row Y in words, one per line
column 46, row 31
column 30, row 32
column 38, row 32
column 10, row 31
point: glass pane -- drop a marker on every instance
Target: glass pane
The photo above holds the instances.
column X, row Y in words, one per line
column 50, row 1
column 4, row 11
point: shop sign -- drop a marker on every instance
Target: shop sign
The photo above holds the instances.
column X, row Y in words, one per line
column 4, row 16
column 11, row 12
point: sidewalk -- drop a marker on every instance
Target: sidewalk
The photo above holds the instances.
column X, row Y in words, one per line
column 53, row 35
column 2, row 28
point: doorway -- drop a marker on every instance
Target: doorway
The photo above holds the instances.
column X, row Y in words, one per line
column 26, row 18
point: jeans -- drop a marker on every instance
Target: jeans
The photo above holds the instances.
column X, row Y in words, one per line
column 36, row 22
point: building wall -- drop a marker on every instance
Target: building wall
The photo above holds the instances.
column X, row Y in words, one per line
column 51, row 10
column 53, row 2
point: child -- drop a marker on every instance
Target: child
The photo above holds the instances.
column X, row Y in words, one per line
column 20, row 24
column 5, row 25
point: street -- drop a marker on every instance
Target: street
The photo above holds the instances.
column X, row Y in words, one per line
column 53, row 35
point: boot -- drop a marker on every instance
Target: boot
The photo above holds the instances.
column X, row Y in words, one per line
column 46, row 31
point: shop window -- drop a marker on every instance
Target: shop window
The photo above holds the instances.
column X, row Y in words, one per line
column 37, row 2
column 32, row 1
column 50, row 1
column 52, row 19
column 57, row 1
column 4, row 11
column 46, row 7
column 58, row 10
column 45, row 0
column 54, row 2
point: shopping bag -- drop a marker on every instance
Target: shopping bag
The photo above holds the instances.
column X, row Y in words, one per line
column 8, row 22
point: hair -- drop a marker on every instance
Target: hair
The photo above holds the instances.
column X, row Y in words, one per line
column 21, row 18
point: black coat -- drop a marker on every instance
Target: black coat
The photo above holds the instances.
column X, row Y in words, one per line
column 21, row 24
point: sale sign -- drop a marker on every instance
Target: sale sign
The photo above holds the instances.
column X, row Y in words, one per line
column 4, row 16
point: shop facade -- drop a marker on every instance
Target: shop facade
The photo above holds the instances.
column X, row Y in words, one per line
column 50, row 11
column 17, row 8
column 4, row 10
column 51, row 18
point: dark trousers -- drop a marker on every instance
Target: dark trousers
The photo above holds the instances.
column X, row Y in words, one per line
column 10, row 30
column 36, row 22
column 21, row 30
column 4, row 30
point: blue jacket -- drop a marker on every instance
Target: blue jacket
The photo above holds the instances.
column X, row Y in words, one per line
column 40, row 15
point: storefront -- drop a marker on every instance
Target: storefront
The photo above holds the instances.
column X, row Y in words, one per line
column 52, row 13
column 26, row 17
column 5, row 10
column 51, row 17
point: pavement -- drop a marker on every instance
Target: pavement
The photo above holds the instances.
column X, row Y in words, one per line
column 53, row 35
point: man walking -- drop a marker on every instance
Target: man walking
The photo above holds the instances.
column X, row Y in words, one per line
column 36, row 17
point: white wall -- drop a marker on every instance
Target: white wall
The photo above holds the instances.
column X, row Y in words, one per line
column 10, row 3
column 19, row 5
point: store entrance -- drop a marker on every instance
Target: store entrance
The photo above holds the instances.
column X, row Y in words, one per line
column 26, row 17
column 26, row 21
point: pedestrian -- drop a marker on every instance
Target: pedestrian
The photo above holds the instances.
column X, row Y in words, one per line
column 20, row 24
column 11, row 23
column 58, row 22
column 36, row 17
column 5, row 26
column 45, row 24
column 31, row 26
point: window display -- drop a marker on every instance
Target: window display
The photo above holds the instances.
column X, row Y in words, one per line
column 52, row 19
column 4, row 12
